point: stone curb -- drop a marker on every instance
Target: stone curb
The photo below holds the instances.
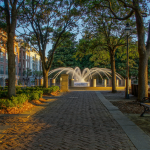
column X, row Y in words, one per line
column 137, row 136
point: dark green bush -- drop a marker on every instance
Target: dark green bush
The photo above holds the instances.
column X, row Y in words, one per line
column 18, row 88
column 6, row 103
column 22, row 98
column 1, row 88
column 19, row 91
column 14, row 101
column 47, row 91
column 40, row 93
column 3, row 93
column 34, row 96
column 19, row 99
column 55, row 88
column 6, row 88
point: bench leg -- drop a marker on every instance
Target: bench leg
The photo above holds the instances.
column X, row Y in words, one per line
column 145, row 109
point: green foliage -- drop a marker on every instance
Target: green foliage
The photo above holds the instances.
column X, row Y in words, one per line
column 40, row 93
column 14, row 101
column 121, row 60
column 63, row 56
column 19, row 99
column 34, row 96
column 55, row 88
column 37, row 73
column 50, row 90
column 3, row 93
column 47, row 91
column 27, row 72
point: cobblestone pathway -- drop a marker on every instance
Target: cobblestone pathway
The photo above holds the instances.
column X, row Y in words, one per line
column 76, row 121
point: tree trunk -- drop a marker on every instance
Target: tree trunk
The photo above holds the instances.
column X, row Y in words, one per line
column 112, row 59
column 11, row 65
column 45, row 76
column 143, row 54
column 143, row 78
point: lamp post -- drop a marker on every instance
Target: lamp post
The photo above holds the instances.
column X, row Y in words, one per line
column 127, row 31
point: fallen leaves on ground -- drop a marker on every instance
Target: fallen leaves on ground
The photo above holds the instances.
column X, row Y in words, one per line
column 17, row 110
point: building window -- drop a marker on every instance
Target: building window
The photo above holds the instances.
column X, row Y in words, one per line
column 1, row 57
column 1, row 69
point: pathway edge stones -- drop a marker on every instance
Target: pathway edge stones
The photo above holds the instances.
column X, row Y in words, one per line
column 138, row 137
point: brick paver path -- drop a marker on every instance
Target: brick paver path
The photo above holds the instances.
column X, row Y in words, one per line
column 76, row 121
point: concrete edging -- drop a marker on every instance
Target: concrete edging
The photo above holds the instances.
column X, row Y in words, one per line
column 137, row 136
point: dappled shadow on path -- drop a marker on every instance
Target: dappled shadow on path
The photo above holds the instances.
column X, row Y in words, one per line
column 77, row 120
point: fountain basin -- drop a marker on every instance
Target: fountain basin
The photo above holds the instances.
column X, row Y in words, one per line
column 83, row 84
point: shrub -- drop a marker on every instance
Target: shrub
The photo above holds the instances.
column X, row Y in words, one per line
column 9, row 103
column 55, row 88
column 2, row 102
column 19, row 99
column 18, row 88
column 47, row 91
column 4, row 93
column 34, row 96
column 6, row 103
column 50, row 89
column 40, row 93
column 19, row 91
column 6, row 88
column 14, row 100
column 22, row 98
column 1, row 88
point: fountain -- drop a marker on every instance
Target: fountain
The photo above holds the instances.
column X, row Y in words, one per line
column 82, row 79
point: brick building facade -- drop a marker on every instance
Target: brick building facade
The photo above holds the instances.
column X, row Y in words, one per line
column 26, row 58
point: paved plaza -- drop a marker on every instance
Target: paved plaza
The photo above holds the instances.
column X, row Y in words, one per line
column 77, row 120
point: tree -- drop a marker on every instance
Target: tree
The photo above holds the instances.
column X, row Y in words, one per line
column 10, row 11
column 137, row 8
column 90, row 54
column 106, row 36
column 48, row 25
column 37, row 74
column 64, row 54
column 121, row 60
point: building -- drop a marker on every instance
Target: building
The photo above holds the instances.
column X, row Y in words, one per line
column 27, row 59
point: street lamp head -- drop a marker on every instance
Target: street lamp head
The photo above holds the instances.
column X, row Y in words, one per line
column 127, row 29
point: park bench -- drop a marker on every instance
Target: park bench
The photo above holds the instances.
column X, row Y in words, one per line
column 145, row 102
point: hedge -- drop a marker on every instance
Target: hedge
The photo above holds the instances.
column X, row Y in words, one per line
column 28, row 90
